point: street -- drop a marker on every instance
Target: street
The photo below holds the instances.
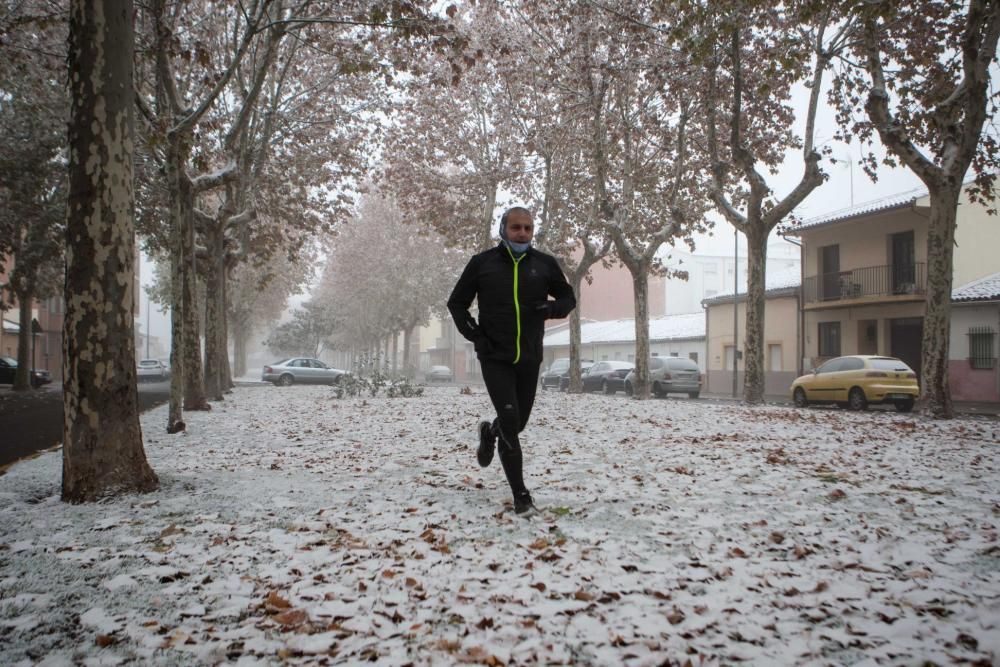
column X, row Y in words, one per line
column 32, row 421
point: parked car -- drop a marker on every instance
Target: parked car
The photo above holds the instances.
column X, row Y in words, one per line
column 550, row 376
column 670, row 375
column 302, row 370
column 607, row 376
column 564, row 377
column 438, row 374
column 8, row 370
column 152, row 370
column 857, row 381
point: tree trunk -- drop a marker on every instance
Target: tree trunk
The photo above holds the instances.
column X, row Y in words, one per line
column 491, row 202
column 215, row 343
column 102, row 440
column 407, row 341
column 575, row 383
column 178, row 185
column 240, row 351
column 22, row 378
column 194, row 381
column 935, row 389
column 640, row 287
column 226, row 379
column 395, row 355
column 753, row 343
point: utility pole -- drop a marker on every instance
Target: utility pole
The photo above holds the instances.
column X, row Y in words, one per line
column 147, row 325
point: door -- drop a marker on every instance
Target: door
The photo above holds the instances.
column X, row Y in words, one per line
column 829, row 268
column 905, row 336
column 867, row 336
column 904, row 263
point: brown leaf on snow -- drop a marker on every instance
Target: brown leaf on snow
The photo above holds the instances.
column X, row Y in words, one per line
column 736, row 552
column 777, row 537
column 275, row 602
column 801, row 552
column 540, row 586
column 292, row 617
column 675, row 616
column 539, row 544
column 104, row 640
column 583, row 596
column 477, row 655
column 836, row 494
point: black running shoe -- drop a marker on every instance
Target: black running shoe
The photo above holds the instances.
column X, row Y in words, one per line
column 487, row 439
column 524, row 506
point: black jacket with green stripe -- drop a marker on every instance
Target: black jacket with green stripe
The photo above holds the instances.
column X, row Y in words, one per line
column 514, row 303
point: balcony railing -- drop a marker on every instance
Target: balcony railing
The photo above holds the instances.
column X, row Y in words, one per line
column 866, row 283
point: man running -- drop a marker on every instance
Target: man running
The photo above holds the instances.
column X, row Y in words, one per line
column 512, row 283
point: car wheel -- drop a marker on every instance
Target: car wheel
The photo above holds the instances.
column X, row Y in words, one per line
column 693, row 394
column 856, row 399
column 286, row 380
column 606, row 387
column 904, row 406
column 658, row 390
column 799, row 396
column 628, row 388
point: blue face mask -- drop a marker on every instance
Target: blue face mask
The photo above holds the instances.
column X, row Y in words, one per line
column 517, row 248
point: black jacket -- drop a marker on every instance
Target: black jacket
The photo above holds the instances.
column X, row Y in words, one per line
column 510, row 329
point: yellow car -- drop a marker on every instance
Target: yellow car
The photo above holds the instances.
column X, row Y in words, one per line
column 857, row 381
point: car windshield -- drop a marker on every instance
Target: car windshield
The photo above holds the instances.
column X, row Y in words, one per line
column 559, row 365
column 10, row 361
column 888, row 364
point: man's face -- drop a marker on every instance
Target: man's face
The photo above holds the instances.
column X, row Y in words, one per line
column 520, row 229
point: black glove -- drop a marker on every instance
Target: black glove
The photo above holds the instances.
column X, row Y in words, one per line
column 544, row 309
column 482, row 344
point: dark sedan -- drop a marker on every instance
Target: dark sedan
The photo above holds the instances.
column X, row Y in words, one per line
column 564, row 377
column 607, row 376
column 8, row 369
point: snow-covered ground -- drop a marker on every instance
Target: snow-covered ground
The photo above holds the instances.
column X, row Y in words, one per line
column 293, row 527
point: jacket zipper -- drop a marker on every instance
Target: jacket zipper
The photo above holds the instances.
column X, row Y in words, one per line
column 517, row 306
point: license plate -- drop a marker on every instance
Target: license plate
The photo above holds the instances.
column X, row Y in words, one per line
column 898, row 396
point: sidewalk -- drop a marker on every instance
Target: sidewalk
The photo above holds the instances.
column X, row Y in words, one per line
column 292, row 527
column 968, row 408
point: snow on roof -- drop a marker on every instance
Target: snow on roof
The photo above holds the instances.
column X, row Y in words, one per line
column 891, row 202
column 983, row 289
column 668, row 327
column 774, row 282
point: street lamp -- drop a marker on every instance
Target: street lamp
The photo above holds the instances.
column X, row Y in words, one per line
column 850, row 171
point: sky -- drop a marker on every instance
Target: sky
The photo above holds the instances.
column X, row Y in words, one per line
column 291, row 525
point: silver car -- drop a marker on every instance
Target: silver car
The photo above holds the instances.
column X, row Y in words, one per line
column 438, row 374
column 151, row 370
column 670, row 375
column 301, row 370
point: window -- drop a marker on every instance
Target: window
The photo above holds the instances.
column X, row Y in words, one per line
column 673, row 354
column 852, row 364
column 730, row 356
column 829, row 339
column 981, row 352
column 693, row 356
column 774, row 356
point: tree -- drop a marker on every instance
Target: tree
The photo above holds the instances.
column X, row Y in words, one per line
column 33, row 108
column 452, row 146
column 752, row 56
column 408, row 272
column 637, row 94
column 922, row 78
column 102, row 441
